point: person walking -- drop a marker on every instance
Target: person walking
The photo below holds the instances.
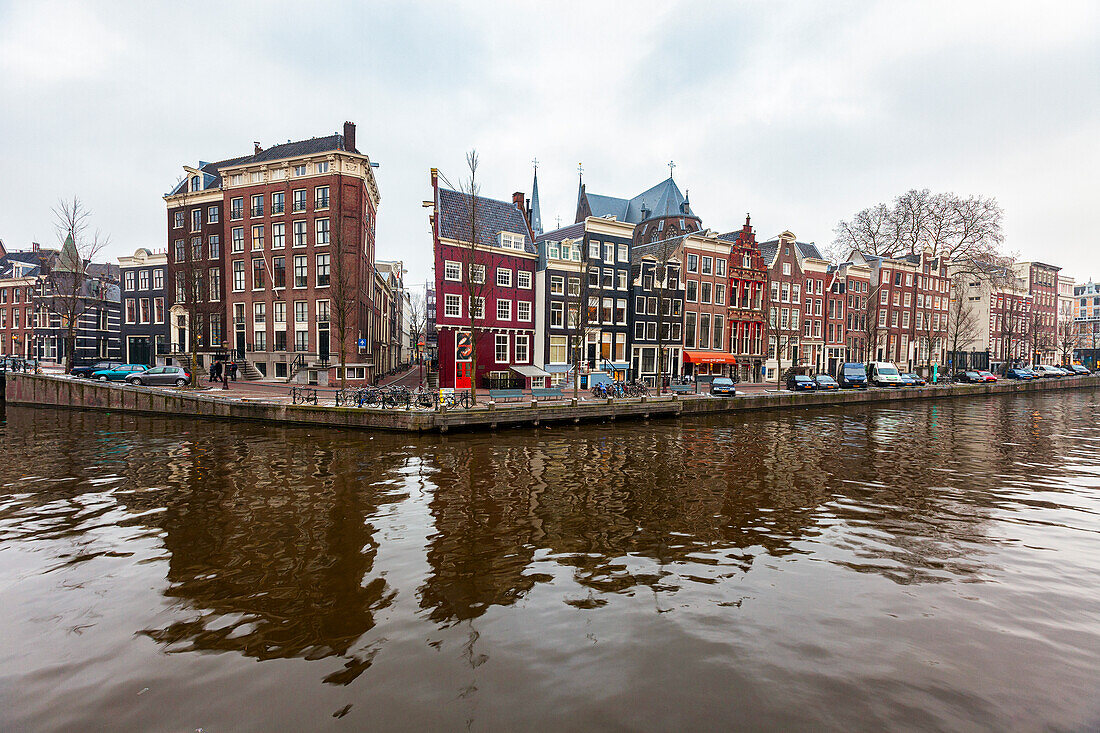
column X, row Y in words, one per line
column 213, row 376
column 231, row 368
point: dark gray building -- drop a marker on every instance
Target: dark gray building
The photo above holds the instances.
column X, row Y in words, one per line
column 145, row 327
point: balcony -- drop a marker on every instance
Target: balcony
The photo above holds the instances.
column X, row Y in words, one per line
column 299, row 206
column 257, row 211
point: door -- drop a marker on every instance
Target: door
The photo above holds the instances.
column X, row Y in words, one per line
column 240, row 342
column 462, row 375
column 322, row 344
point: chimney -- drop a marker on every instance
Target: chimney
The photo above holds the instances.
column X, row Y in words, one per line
column 349, row 137
column 517, row 199
column 256, row 148
column 35, row 246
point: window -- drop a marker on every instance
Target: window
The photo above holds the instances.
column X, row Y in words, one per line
column 320, row 197
column 322, row 311
column 624, row 255
column 719, row 325
column 608, row 253
column 322, row 232
column 509, row 240
column 258, row 269
column 177, row 220
column 236, row 240
column 692, row 291
column 477, row 274
column 557, row 285
column 278, row 272
column 158, row 310
column 214, row 280
column 775, row 292
column 238, row 275
column 452, row 270
column 501, row 350
column 504, row 277
column 504, row 310
column 322, row 269
column 608, row 278
column 719, row 295
column 158, row 279
column 129, row 279
column 707, row 265
column 236, row 207
column 785, row 289
column 259, row 313
column 620, row 311
column 704, row 329
column 689, row 330
column 553, row 250
column 620, row 279
column 299, row 234
column 523, row 310
column 196, row 248
column 559, row 349
column 278, row 202
column 523, row 279
column 300, row 271
column 557, row 314
column 278, row 311
column 796, row 293
column 693, row 263
column 214, row 246
column 301, row 340
column 131, row 310
column 651, row 331
column 298, row 202
column 257, row 237
column 704, row 292
column 180, row 250
column 301, row 311
column 278, row 235
column 593, row 249
column 257, row 208
column 720, row 267
column 196, row 219
column 574, row 286
column 522, row 351
column 786, row 268
column 299, row 170
column 322, row 167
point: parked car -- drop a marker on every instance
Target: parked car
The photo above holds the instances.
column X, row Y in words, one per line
column 852, row 375
column 968, row 378
column 1021, row 374
column 824, row 381
column 988, row 376
column 1047, row 371
column 914, row 380
column 884, row 374
column 86, row 370
column 1078, row 369
column 1066, row 371
column 118, row 373
column 159, row 376
column 722, row 386
column 801, row 383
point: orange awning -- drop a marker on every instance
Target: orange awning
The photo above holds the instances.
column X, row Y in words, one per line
column 709, row 357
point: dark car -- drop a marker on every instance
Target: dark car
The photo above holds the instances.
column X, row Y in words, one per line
column 159, row 376
column 824, row 381
column 988, row 376
column 801, row 383
column 968, row 378
column 1023, row 375
column 86, row 370
column 722, row 386
column 914, row 380
column 1078, row 369
column 852, row 375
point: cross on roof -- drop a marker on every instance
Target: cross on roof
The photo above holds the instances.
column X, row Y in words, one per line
column 535, row 162
column 671, row 165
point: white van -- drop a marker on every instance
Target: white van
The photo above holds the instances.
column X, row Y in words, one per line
column 884, row 374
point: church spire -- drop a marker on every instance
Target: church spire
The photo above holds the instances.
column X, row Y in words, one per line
column 536, row 215
column 69, row 259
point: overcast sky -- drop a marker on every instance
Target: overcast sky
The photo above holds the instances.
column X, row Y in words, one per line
column 801, row 113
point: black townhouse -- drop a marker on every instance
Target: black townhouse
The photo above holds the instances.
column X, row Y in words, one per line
column 145, row 320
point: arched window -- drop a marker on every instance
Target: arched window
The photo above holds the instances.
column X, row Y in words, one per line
column 196, row 185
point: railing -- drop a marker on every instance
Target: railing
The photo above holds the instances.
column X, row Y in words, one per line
column 236, row 213
column 277, row 208
column 303, row 395
column 257, row 211
column 321, row 203
column 298, row 206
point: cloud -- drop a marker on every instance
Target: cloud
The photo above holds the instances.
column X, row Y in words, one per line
column 46, row 43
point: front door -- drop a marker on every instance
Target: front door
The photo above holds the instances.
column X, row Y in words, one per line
column 462, row 375
column 240, row 341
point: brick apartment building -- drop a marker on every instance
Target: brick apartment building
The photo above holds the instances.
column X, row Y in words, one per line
column 748, row 283
column 1042, row 285
column 272, row 242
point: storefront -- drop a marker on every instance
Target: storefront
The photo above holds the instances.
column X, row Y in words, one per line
column 709, row 363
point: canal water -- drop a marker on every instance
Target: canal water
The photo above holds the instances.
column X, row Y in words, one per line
column 930, row 566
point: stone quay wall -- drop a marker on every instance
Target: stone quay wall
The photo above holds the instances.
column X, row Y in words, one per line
column 51, row 391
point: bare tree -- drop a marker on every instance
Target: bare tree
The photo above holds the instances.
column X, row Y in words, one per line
column 475, row 266
column 345, row 278
column 962, row 229
column 418, row 323
column 1013, row 329
column 1067, row 340
column 71, row 291
column 1041, row 336
column 579, row 312
column 963, row 325
column 193, row 289
column 869, row 320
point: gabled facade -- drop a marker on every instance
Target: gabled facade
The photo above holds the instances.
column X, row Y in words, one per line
column 658, row 213
column 485, row 289
column 786, row 278
column 748, row 285
column 145, row 328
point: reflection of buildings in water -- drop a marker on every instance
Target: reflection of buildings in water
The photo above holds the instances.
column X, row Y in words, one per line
column 270, row 549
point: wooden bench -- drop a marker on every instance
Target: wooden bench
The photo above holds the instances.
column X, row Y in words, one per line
column 682, row 388
column 546, row 393
column 505, row 395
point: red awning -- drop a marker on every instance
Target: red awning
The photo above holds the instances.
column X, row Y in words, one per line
column 709, row 357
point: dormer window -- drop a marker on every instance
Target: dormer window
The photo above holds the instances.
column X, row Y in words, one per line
column 508, row 240
column 196, row 184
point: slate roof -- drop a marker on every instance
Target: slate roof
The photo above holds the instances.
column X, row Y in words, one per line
column 493, row 217
column 805, row 249
column 768, row 250
column 656, row 249
column 664, row 199
column 313, row 146
column 573, row 231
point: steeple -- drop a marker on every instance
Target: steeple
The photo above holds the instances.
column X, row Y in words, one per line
column 69, row 260
column 536, row 215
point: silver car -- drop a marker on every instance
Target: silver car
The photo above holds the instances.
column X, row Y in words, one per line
column 161, row 376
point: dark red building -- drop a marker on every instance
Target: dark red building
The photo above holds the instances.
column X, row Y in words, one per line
column 747, row 299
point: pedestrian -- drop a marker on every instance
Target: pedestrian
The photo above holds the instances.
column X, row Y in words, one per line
column 233, row 370
column 215, row 371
